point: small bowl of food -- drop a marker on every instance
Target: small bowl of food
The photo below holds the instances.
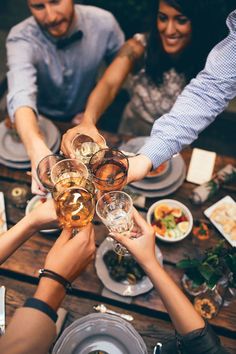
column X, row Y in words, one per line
column 35, row 202
column 171, row 220
column 160, row 171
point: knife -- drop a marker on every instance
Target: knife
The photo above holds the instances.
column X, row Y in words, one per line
column 2, row 309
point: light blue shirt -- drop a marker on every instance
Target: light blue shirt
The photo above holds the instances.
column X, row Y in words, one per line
column 199, row 103
column 56, row 82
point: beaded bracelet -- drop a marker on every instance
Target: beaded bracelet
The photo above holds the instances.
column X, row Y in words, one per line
column 57, row 277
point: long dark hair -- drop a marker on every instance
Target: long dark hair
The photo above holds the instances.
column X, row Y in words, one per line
column 208, row 28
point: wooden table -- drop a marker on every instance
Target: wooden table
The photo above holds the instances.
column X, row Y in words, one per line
column 19, row 273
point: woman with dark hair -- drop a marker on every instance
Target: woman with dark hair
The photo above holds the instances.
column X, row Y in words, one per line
column 160, row 64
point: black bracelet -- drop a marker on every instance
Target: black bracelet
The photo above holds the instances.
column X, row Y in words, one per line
column 53, row 275
column 41, row 306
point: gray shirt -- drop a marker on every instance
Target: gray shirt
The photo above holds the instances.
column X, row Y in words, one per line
column 57, row 82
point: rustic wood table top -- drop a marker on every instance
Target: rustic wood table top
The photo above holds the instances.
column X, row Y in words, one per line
column 20, row 272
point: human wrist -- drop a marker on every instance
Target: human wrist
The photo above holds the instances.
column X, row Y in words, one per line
column 150, row 265
column 37, row 149
column 41, row 306
column 51, row 292
column 88, row 119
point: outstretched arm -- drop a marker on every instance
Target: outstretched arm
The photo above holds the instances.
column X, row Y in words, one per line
column 105, row 92
column 195, row 335
column 33, row 140
column 42, row 217
column 21, row 100
column 180, row 309
column 31, row 330
column 199, row 104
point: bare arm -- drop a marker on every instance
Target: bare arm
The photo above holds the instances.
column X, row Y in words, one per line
column 105, row 91
column 31, row 136
column 112, row 80
column 182, row 313
column 42, row 217
column 31, row 330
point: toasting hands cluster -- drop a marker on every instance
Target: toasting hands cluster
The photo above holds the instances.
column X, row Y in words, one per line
column 96, row 172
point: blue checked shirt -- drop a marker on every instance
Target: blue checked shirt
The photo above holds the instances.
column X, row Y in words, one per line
column 57, row 82
column 199, row 104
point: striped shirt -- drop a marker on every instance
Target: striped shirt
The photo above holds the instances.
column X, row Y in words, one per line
column 199, row 104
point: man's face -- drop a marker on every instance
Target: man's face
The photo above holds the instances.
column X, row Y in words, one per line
column 54, row 16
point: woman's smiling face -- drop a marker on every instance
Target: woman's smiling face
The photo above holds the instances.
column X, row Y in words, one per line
column 174, row 28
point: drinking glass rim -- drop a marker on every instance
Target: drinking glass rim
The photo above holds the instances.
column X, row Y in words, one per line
column 70, row 188
column 100, row 135
column 120, row 192
column 99, row 179
column 77, row 161
column 46, row 157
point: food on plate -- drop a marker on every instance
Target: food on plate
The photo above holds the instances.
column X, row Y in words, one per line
column 201, row 231
column 169, row 222
column 206, row 307
column 159, row 170
column 225, row 216
column 123, row 268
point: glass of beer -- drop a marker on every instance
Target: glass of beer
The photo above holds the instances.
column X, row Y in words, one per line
column 44, row 170
column 68, row 168
column 84, row 146
column 109, row 169
column 115, row 211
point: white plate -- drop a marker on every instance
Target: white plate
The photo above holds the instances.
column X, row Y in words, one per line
column 121, row 288
column 209, row 211
column 26, row 165
column 3, row 220
column 161, row 192
column 173, row 204
column 14, row 151
column 31, row 204
column 100, row 332
column 177, row 166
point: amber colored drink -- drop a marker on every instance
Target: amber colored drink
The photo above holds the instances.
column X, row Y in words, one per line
column 74, row 207
column 110, row 175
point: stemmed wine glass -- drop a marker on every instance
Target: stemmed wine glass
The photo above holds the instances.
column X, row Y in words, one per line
column 109, row 169
column 115, row 210
column 74, row 201
column 44, row 170
column 84, row 146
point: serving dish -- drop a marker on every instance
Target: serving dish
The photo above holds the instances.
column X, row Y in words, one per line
column 222, row 214
column 123, row 288
column 100, row 333
column 172, row 220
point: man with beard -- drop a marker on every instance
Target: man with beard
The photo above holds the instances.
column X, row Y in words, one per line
column 53, row 61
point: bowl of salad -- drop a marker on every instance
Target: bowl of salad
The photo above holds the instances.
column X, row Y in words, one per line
column 171, row 220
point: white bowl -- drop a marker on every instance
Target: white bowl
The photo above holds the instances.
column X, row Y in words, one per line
column 32, row 203
column 174, row 204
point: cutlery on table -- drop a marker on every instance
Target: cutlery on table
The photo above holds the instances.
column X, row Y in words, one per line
column 2, row 309
column 103, row 309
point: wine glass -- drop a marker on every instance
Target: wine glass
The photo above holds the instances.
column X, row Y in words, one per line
column 109, row 169
column 68, row 168
column 74, row 201
column 115, row 211
column 84, row 146
column 44, row 170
